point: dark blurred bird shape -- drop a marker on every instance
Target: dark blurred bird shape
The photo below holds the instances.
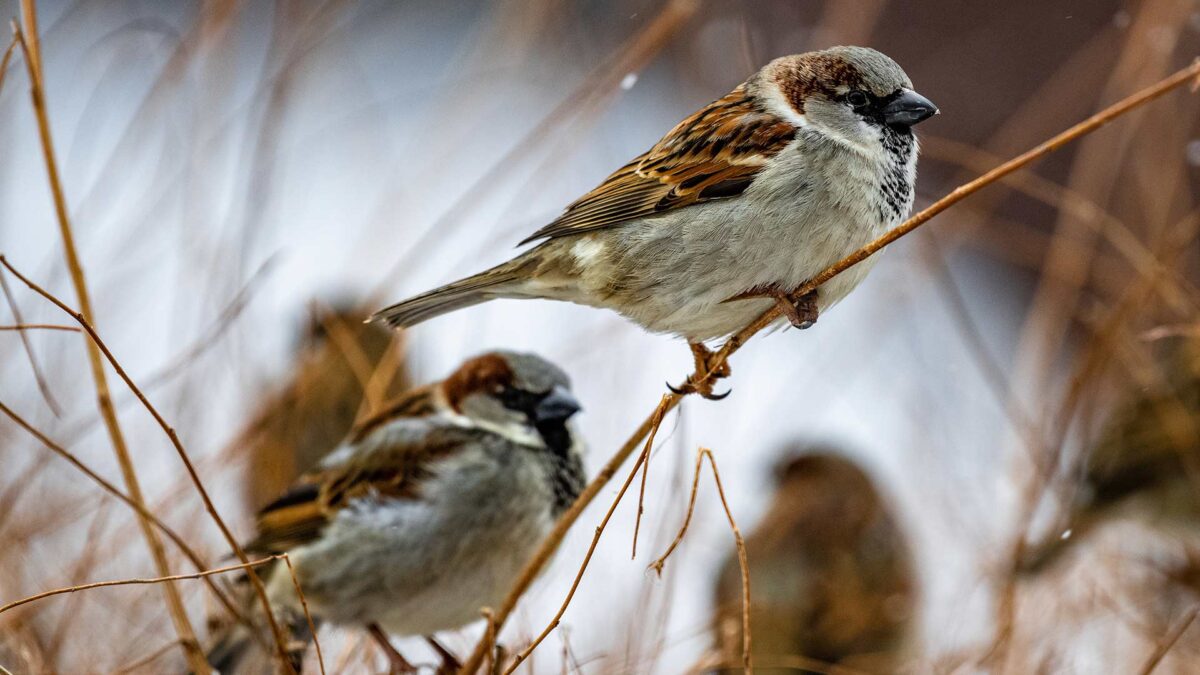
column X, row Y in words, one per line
column 831, row 578
column 312, row 411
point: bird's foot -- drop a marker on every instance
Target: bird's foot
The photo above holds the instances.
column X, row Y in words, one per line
column 397, row 664
column 707, row 371
column 450, row 664
column 803, row 312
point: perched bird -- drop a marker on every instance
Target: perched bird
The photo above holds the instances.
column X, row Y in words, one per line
column 428, row 511
column 831, row 580
column 735, row 208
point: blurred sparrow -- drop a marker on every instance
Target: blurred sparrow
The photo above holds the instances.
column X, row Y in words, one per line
column 428, row 511
column 831, row 578
column 306, row 416
column 736, row 207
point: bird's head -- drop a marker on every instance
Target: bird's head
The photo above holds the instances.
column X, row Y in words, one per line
column 521, row 396
column 853, row 94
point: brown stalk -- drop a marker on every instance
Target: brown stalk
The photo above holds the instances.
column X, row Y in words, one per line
column 1168, row 641
column 133, row 582
column 113, row 490
column 524, row 653
column 259, row 589
column 743, row 563
column 33, row 61
column 312, row 627
column 43, row 386
column 669, row 402
column 40, row 326
column 148, row 659
column 645, row 460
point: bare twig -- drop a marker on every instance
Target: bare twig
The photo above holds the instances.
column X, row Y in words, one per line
column 743, row 563
column 524, row 653
column 38, row 377
column 113, row 490
column 1168, row 641
column 28, row 40
column 133, row 582
column 645, row 459
column 259, row 589
column 39, row 326
column 312, row 626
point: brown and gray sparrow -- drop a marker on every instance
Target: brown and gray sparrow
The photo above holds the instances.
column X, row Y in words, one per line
column 427, row 512
column 831, row 577
column 737, row 206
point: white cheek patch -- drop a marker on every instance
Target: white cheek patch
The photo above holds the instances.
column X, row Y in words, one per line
column 776, row 104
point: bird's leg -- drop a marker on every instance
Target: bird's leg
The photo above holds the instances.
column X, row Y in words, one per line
column 705, row 362
column 399, row 664
column 450, row 664
column 802, row 313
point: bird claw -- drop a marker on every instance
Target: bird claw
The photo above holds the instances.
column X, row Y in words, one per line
column 705, row 391
column 802, row 313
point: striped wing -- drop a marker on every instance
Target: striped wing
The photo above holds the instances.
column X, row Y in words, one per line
column 714, row 154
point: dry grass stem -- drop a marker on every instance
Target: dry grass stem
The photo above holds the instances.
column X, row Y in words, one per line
column 113, row 490
column 524, row 653
column 42, row 385
column 28, row 40
column 134, row 582
column 312, row 626
column 743, row 563
column 40, row 326
column 1169, row 640
column 259, row 589
column 147, row 659
column 645, row 459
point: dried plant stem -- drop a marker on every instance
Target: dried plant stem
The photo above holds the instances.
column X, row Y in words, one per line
column 1168, row 641
column 40, row 326
column 43, row 386
column 743, row 562
column 113, row 490
column 524, row 653
column 148, row 659
column 552, row 541
column 312, row 626
column 133, row 582
column 645, row 460
column 28, row 40
column 259, row 589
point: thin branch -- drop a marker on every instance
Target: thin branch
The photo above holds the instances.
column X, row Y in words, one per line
column 30, row 47
column 312, row 626
column 40, row 326
column 743, row 562
column 1169, row 640
column 552, row 540
column 645, row 460
column 135, row 582
column 524, row 653
column 113, row 490
column 259, row 589
column 38, row 377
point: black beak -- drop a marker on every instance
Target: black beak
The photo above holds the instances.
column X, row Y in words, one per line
column 556, row 406
column 907, row 109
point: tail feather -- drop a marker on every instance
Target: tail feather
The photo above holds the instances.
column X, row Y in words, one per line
column 458, row 295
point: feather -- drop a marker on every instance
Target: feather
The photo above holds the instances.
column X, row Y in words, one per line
column 714, row 154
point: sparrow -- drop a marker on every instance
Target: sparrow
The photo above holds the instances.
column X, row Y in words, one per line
column 736, row 207
column 831, row 575
column 428, row 511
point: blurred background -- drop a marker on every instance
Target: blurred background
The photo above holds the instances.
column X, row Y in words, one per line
column 247, row 179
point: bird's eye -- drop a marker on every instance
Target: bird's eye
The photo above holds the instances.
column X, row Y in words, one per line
column 857, row 99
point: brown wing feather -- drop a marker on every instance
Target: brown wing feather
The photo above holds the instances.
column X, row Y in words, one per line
column 298, row 516
column 714, row 154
